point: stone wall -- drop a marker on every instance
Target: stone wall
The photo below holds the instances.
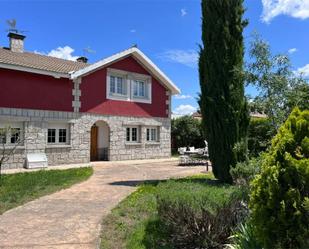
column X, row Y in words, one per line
column 78, row 150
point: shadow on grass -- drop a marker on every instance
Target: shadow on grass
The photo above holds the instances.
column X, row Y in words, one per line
column 134, row 183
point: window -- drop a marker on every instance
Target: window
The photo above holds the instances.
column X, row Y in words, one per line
column 117, row 85
column 62, row 135
column 128, row 86
column 132, row 134
column 51, row 136
column 139, row 89
column 15, row 135
column 152, row 134
column 57, row 134
column 3, row 136
column 11, row 134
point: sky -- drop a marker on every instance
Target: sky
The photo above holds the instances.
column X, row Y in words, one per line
column 167, row 31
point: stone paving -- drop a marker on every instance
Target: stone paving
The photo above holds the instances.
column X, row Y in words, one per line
column 71, row 218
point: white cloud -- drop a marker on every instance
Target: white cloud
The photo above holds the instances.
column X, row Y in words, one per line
column 185, row 57
column 304, row 71
column 292, row 50
column 63, row 53
column 183, row 12
column 184, row 110
column 294, row 8
column 183, row 96
column 133, row 30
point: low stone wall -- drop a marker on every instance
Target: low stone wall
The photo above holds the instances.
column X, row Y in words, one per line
column 78, row 150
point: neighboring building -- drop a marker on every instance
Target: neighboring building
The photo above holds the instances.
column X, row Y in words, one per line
column 197, row 115
column 116, row 109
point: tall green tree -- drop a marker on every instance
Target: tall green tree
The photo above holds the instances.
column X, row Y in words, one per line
column 279, row 88
column 222, row 101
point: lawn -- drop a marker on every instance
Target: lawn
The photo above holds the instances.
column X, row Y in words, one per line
column 17, row 189
column 134, row 223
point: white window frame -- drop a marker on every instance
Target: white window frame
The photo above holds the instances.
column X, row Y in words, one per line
column 149, row 137
column 58, row 127
column 116, row 96
column 131, row 134
column 147, row 88
column 129, row 78
column 9, row 127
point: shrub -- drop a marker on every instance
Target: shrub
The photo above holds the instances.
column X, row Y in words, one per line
column 259, row 136
column 280, row 192
column 187, row 131
column 244, row 172
column 200, row 217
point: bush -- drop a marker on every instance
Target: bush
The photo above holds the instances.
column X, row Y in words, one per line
column 187, row 131
column 244, row 172
column 259, row 136
column 200, row 217
column 280, row 192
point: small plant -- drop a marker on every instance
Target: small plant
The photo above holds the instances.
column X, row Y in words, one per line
column 197, row 219
column 244, row 238
column 279, row 197
column 244, row 172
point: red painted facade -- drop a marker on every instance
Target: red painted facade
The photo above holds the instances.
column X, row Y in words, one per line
column 93, row 98
column 35, row 91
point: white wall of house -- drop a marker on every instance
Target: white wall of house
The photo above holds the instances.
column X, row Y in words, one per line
column 103, row 135
column 35, row 124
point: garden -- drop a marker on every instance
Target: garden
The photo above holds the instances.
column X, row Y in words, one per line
column 257, row 196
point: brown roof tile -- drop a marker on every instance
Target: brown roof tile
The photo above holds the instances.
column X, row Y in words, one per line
column 38, row 61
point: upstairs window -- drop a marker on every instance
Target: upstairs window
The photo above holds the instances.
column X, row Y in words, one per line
column 117, row 85
column 139, row 88
column 128, row 86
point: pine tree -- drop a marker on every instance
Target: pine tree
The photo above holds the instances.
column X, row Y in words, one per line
column 222, row 101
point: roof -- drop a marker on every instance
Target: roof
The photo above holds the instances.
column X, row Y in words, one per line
column 39, row 62
column 196, row 115
column 258, row 115
column 43, row 64
column 139, row 56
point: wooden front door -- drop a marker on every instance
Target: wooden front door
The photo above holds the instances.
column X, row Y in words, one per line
column 94, row 143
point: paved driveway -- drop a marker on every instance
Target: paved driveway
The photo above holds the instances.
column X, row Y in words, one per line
column 71, row 218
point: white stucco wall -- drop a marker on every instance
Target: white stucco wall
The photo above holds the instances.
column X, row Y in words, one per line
column 103, row 134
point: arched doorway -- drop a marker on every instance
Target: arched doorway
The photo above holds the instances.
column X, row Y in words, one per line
column 99, row 141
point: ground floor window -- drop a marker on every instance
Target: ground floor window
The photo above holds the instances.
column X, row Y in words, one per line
column 11, row 133
column 152, row 134
column 132, row 134
column 57, row 133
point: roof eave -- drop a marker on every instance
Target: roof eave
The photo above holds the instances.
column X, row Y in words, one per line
column 140, row 56
column 34, row 70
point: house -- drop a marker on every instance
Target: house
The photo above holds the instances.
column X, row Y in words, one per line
column 197, row 115
column 118, row 108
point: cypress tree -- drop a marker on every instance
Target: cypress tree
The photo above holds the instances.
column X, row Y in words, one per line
column 222, row 101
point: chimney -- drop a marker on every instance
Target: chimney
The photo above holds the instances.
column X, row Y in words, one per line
column 16, row 42
column 82, row 59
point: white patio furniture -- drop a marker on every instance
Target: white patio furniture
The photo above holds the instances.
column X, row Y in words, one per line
column 192, row 156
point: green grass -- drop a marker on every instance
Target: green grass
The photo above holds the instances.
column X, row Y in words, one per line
column 134, row 223
column 17, row 189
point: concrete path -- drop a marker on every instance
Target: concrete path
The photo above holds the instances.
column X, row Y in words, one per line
column 71, row 218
